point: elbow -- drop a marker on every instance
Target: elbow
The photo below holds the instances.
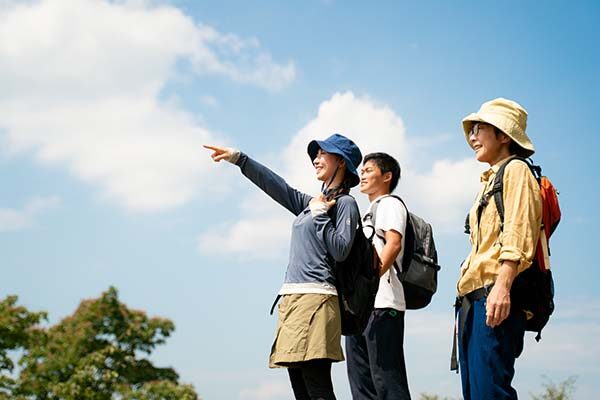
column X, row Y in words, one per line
column 342, row 253
column 341, row 256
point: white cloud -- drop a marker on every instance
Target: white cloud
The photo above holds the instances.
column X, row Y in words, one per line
column 83, row 89
column 442, row 195
column 17, row 219
column 261, row 238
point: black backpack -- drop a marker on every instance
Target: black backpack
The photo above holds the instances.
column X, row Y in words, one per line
column 532, row 289
column 420, row 262
column 357, row 281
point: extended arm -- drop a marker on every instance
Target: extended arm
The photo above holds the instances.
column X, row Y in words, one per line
column 270, row 183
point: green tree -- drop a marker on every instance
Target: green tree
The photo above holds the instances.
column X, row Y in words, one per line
column 18, row 330
column 98, row 353
column 561, row 391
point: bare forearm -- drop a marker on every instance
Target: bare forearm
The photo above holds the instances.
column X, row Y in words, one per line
column 388, row 255
column 506, row 275
column 498, row 301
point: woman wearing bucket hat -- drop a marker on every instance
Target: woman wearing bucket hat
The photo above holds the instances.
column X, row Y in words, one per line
column 308, row 334
column 490, row 329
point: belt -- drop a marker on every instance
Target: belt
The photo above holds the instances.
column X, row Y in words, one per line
column 465, row 303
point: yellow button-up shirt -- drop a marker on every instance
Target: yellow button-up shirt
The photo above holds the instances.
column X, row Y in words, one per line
column 516, row 241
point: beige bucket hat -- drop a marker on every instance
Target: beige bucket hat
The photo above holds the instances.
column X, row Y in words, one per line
column 506, row 115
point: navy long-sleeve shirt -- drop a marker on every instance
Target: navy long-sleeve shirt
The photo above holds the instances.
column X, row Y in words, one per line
column 317, row 242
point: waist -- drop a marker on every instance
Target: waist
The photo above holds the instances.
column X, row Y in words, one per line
column 308, row 287
column 473, row 296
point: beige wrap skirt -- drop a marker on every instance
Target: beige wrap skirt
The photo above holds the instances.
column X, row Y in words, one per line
column 309, row 327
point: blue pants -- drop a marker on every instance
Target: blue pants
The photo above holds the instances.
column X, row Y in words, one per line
column 375, row 359
column 487, row 355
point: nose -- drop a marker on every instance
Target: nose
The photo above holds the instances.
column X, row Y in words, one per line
column 472, row 137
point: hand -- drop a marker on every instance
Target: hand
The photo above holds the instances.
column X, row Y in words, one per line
column 223, row 153
column 497, row 307
column 319, row 205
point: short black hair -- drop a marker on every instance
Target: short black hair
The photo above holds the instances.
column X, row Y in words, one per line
column 385, row 163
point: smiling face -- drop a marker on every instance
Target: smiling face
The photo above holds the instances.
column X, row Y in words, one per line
column 325, row 166
column 373, row 182
column 489, row 147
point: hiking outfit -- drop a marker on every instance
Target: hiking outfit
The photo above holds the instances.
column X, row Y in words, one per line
column 487, row 355
column 376, row 367
column 308, row 334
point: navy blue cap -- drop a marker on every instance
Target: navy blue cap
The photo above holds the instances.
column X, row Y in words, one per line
column 343, row 147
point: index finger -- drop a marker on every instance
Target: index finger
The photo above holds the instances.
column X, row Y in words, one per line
column 212, row 147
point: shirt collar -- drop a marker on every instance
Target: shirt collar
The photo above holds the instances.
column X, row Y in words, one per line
column 485, row 176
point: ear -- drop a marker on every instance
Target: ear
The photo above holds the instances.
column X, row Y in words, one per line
column 387, row 177
column 504, row 138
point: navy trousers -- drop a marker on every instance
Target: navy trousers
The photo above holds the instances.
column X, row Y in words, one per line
column 487, row 355
column 375, row 359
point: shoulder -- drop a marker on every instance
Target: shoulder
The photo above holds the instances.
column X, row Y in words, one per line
column 346, row 200
column 390, row 208
column 391, row 204
column 346, row 203
column 516, row 167
column 390, row 201
column 518, row 170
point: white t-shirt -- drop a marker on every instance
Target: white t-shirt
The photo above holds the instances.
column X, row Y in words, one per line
column 391, row 215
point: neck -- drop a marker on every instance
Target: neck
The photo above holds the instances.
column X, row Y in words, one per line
column 381, row 192
column 337, row 180
column 503, row 155
column 499, row 159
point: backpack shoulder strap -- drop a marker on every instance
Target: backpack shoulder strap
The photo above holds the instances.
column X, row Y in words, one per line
column 498, row 187
column 372, row 215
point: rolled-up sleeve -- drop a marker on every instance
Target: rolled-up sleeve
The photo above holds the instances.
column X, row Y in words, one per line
column 522, row 216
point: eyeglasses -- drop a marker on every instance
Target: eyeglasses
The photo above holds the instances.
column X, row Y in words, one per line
column 475, row 129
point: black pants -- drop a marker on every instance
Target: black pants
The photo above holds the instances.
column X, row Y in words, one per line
column 376, row 368
column 311, row 380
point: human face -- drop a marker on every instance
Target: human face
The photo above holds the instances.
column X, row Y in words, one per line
column 489, row 147
column 372, row 181
column 325, row 165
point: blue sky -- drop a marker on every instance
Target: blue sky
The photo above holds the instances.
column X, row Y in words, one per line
column 104, row 106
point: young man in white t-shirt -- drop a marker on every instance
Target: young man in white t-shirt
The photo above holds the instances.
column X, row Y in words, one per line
column 375, row 359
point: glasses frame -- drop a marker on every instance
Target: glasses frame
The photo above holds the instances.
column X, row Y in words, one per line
column 475, row 128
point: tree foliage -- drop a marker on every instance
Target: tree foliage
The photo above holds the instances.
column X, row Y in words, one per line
column 98, row 353
column 561, row 391
column 17, row 331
